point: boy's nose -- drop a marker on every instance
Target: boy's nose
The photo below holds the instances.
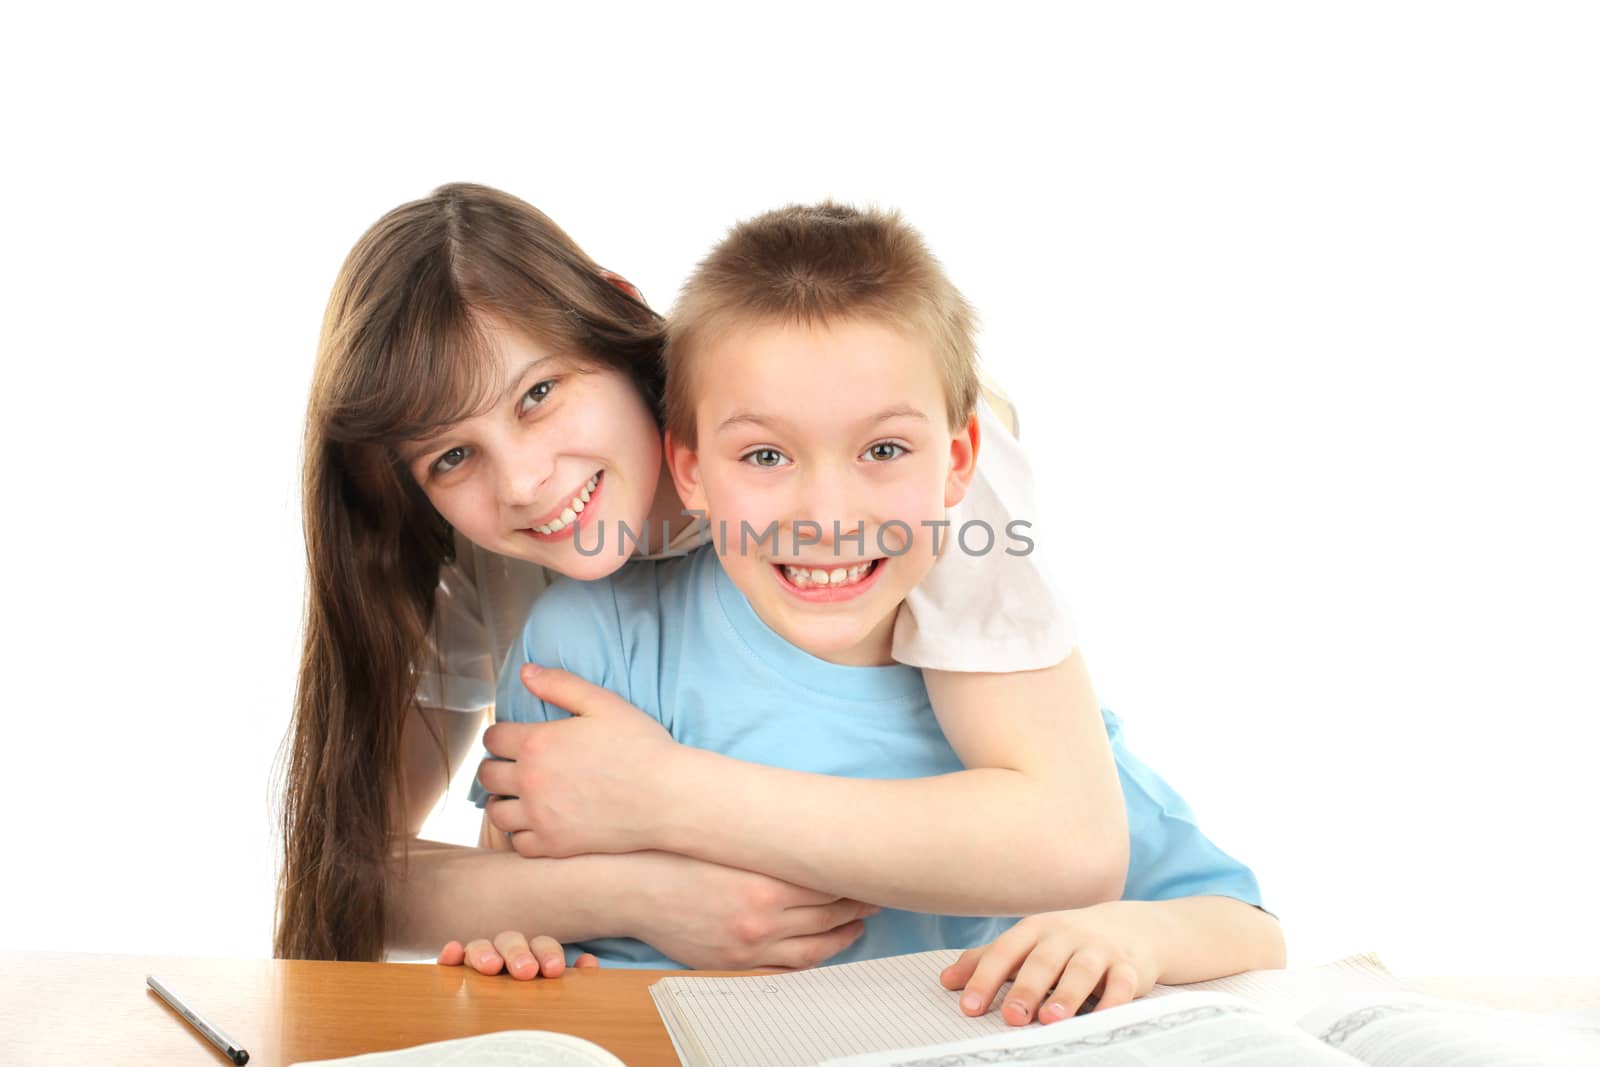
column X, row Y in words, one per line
column 826, row 500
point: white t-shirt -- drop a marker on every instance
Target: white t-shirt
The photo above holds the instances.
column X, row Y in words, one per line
column 985, row 611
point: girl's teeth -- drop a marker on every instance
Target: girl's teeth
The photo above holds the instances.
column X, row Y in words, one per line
column 570, row 512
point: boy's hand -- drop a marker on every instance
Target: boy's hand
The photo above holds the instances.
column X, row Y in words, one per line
column 515, row 953
column 578, row 785
column 1103, row 949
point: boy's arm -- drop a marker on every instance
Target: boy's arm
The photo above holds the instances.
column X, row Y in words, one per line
column 1202, row 938
column 1037, row 821
column 1120, row 949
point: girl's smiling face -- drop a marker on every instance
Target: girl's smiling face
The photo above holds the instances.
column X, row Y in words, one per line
column 562, row 445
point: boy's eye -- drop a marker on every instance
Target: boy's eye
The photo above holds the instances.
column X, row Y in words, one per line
column 765, row 457
column 449, row 461
column 884, row 450
column 536, row 395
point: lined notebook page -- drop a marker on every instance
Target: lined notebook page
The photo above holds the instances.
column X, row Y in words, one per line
column 788, row 1020
column 791, row 1020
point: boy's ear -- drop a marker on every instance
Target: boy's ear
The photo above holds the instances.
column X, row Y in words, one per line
column 683, row 462
column 963, row 462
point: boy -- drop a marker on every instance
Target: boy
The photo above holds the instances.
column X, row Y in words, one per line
column 821, row 414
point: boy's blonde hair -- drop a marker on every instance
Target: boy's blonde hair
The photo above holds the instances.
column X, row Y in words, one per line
column 815, row 264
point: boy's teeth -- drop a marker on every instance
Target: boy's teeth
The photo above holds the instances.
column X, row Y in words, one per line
column 570, row 512
column 814, row 576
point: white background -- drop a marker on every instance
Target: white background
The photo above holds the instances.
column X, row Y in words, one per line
column 1298, row 302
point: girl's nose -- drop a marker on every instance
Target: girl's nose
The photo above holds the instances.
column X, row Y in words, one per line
column 520, row 483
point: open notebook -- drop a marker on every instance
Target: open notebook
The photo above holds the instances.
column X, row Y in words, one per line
column 894, row 1012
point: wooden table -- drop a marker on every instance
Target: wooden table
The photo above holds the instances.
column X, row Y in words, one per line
column 60, row 1007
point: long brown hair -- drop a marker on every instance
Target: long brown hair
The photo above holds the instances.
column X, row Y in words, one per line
column 402, row 353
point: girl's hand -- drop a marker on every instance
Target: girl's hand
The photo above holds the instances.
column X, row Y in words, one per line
column 1104, row 949
column 541, row 956
column 714, row 918
column 593, row 783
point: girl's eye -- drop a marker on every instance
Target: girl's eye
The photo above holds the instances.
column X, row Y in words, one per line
column 883, row 451
column 449, row 461
column 536, row 395
column 765, row 457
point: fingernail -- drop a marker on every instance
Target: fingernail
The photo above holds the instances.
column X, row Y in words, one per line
column 971, row 1002
column 551, row 961
column 1053, row 1011
column 521, row 962
column 530, row 668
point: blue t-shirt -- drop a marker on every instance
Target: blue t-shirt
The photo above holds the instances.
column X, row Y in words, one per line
column 678, row 640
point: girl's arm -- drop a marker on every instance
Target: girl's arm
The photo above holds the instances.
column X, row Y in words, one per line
column 1037, row 821
column 698, row 913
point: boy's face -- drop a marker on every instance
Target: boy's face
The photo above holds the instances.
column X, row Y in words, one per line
column 801, row 425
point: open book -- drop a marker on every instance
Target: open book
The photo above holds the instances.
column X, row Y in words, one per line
column 893, row 1011
column 510, row 1048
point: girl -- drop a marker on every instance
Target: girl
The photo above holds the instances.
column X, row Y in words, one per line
column 478, row 376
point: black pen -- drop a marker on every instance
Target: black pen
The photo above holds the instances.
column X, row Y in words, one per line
column 223, row 1042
